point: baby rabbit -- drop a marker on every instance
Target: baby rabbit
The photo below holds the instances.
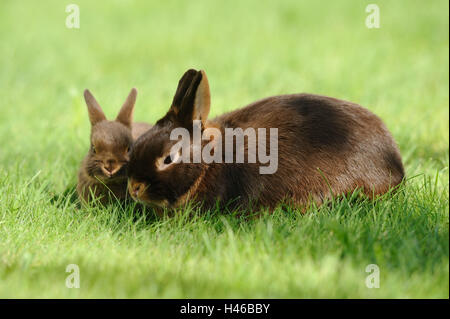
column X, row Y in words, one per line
column 102, row 172
column 326, row 147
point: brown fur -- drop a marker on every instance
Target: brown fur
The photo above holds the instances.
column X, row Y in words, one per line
column 326, row 147
column 103, row 170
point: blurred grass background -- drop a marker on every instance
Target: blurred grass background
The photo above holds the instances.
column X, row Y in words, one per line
column 250, row 50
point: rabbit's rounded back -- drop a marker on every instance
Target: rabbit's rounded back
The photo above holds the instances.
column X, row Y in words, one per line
column 325, row 147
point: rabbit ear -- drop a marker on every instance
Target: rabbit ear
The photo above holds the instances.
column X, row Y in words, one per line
column 202, row 100
column 94, row 110
column 196, row 101
column 183, row 86
column 125, row 115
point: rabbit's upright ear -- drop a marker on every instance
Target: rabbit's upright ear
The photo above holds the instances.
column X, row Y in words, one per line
column 94, row 110
column 125, row 115
column 192, row 99
column 202, row 100
column 183, row 86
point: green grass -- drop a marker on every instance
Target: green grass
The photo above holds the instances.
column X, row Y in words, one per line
column 250, row 50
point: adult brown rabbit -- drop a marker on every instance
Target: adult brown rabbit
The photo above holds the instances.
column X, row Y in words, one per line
column 102, row 172
column 326, row 147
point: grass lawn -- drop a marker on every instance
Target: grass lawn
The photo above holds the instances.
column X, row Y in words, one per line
column 250, row 50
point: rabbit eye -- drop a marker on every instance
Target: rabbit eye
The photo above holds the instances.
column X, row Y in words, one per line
column 167, row 160
column 128, row 149
column 164, row 162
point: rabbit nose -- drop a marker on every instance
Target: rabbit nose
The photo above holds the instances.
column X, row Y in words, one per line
column 111, row 166
column 136, row 189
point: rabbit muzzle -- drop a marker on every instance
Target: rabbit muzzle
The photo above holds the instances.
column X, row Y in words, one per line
column 136, row 189
column 110, row 168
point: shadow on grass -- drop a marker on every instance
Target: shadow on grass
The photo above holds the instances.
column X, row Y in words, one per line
column 69, row 195
column 121, row 209
column 222, row 217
